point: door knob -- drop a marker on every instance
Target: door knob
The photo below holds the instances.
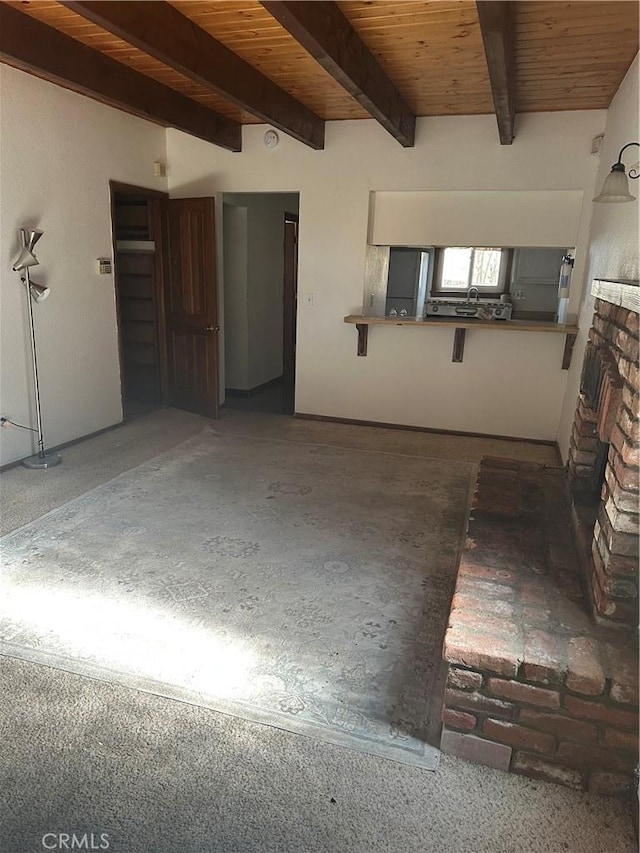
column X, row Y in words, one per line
column 212, row 328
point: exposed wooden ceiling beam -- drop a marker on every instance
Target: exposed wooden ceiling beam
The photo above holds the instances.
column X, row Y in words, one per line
column 496, row 26
column 163, row 32
column 32, row 46
column 325, row 33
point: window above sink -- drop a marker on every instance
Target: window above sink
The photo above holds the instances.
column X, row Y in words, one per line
column 457, row 268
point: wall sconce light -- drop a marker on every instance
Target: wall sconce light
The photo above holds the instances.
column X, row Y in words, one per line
column 35, row 293
column 616, row 185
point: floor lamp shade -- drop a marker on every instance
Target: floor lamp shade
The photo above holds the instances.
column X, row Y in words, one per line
column 30, row 237
column 35, row 293
column 25, row 259
column 39, row 292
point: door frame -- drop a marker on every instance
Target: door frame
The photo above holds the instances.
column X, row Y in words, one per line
column 290, row 320
column 154, row 201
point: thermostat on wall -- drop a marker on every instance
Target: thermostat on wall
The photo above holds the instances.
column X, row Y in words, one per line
column 103, row 266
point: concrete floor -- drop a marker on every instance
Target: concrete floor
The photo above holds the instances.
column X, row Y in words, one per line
column 168, row 777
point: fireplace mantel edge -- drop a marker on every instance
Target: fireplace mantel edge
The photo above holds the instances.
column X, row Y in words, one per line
column 621, row 292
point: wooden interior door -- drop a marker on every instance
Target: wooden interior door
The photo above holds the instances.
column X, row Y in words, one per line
column 191, row 304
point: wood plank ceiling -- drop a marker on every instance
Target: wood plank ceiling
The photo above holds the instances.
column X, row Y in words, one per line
column 431, row 58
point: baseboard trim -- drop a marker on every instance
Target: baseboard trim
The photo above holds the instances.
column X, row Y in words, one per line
column 383, row 425
column 251, row 392
column 58, row 447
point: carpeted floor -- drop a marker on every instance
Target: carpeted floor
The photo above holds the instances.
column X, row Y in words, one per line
column 300, row 585
column 160, row 776
column 169, row 777
column 86, row 464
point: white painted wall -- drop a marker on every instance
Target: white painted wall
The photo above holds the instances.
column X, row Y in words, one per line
column 263, row 311
column 236, row 308
column 480, row 218
column 59, row 150
column 509, row 383
column 613, row 245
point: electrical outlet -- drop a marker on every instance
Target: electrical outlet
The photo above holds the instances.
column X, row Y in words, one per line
column 520, row 294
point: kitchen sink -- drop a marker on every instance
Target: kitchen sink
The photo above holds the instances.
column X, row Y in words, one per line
column 483, row 309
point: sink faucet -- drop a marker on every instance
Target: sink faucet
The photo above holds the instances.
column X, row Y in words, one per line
column 473, row 287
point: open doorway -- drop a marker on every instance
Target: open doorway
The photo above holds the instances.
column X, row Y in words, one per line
column 136, row 228
column 260, row 245
column 166, row 300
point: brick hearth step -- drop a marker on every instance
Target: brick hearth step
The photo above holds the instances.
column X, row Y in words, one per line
column 534, row 685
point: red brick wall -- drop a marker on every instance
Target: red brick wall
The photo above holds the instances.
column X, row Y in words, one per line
column 534, row 685
column 585, row 738
column 613, row 571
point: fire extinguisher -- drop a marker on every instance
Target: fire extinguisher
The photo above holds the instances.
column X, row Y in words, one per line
column 564, row 284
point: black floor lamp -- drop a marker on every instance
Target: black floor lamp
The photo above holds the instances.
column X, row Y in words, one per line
column 35, row 293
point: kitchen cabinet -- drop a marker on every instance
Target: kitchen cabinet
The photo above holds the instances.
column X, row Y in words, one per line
column 536, row 266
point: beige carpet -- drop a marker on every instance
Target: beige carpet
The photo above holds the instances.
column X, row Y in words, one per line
column 159, row 776
column 28, row 495
column 162, row 776
column 299, row 585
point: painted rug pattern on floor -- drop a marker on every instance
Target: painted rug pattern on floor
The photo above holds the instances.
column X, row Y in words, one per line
column 303, row 586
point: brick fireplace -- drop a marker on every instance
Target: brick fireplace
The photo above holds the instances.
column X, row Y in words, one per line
column 603, row 463
column 541, row 647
